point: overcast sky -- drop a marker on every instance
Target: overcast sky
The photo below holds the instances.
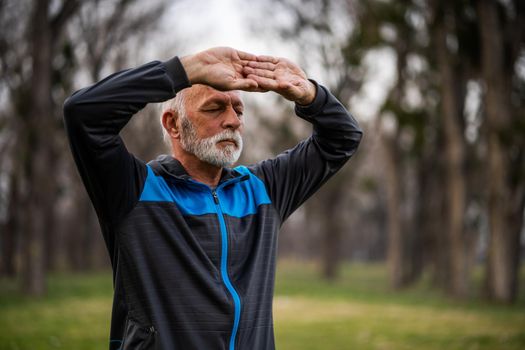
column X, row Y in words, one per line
column 191, row 26
column 198, row 25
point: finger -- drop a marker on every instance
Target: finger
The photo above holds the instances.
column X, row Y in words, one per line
column 270, row 59
column 246, row 56
column 262, row 65
column 259, row 90
column 260, row 72
column 240, row 65
column 255, row 90
column 243, row 84
column 265, row 83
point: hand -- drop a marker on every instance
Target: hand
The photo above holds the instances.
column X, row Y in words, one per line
column 220, row 68
column 281, row 76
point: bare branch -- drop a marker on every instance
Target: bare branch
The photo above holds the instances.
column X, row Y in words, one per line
column 69, row 8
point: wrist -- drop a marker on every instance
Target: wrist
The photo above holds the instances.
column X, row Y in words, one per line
column 191, row 66
column 309, row 96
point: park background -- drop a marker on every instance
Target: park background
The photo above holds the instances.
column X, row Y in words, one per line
column 416, row 244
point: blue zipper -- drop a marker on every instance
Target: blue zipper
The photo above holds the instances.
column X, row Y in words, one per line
column 224, row 250
column 224, row 269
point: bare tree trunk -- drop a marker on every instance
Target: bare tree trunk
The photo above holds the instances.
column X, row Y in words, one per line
column 36, row 165
column 435, row 243
column 396, row 246
column 40, row 129
column 454, row 151
column 402, row 235
column 331, row 215
column 10, row 230
column 49, row 210
column 505, row 201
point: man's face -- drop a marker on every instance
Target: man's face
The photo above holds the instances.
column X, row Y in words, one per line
column 213, row 125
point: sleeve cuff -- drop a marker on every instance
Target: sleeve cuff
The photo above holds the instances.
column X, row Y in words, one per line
column 317, row 104
column 177, row 74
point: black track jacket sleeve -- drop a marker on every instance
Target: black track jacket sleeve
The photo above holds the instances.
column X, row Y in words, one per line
column 293, row 176
column 95, row 115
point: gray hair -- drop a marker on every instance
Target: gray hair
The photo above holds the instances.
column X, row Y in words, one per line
column 177, row 105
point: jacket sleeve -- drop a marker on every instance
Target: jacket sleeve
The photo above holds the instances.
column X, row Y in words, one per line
column 293, row 176
column 95, row 115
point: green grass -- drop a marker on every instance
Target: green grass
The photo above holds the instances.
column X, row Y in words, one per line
column 74, row 314
column 356, row 312
column 360, row 312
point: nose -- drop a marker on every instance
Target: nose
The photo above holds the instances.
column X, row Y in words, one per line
column 231, row 119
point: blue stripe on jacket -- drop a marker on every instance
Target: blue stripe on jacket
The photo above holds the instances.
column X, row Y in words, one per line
column 237, row 200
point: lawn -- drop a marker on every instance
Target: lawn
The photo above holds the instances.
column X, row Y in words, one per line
column 357, row 312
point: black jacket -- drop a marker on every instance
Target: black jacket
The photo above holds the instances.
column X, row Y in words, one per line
column 193, row 266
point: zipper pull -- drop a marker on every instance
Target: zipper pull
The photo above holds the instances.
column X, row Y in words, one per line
column 215, row 198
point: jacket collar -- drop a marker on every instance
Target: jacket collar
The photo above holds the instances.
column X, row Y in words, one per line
column 169, row 167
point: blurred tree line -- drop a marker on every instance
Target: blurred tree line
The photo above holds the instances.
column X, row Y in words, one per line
column 46, row 47
column 437, row 185
column 450, row 133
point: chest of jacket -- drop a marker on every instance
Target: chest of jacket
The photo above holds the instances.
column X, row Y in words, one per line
column 195, row 259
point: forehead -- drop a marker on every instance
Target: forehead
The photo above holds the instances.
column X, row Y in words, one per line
column 203, row 94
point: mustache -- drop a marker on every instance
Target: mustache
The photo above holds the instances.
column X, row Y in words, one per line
column 227, row 135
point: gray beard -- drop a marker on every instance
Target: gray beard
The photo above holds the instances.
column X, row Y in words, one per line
column 206, row 149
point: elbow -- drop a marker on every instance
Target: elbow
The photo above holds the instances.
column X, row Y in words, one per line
column 356, row 130
column 69, row 108
column 74, row 106
column 72, row 114
column 354, row 134
column 352, row 142
column 357, row 135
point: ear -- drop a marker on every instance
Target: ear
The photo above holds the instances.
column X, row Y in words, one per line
column 169, row 122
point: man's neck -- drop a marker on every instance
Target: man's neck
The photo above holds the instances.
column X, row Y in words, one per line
column 198, row 170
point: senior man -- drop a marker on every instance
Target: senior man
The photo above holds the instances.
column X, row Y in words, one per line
column 193, row 241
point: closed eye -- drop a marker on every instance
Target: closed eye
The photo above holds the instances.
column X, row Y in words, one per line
column 214, row 109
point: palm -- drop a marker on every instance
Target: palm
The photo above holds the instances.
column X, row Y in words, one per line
column 291, row 80
column 223, row 68
column 282, row 76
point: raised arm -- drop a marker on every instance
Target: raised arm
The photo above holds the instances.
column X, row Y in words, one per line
column 95, row 115
column 293, row 176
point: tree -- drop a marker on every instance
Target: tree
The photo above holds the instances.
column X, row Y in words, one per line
column 409, row 140
column 39, row 131
column 38, row 66
column 452, row 99
column 502, row 38
column 428, row 155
